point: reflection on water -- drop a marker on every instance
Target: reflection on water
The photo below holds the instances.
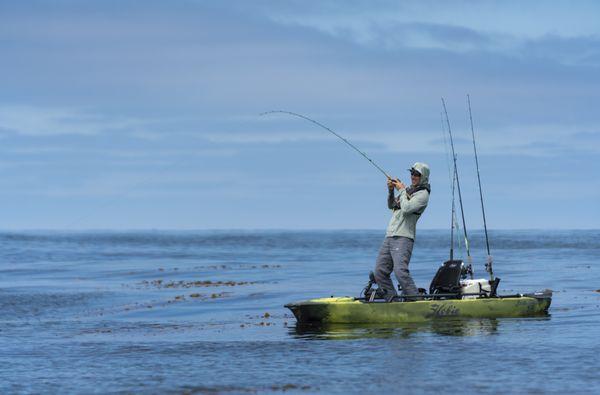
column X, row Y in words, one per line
column 445, row 327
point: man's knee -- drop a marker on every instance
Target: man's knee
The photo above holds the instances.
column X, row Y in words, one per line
column 382, row 271
column 402, row 270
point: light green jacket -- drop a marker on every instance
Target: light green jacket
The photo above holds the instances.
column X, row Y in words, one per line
column 404, row 218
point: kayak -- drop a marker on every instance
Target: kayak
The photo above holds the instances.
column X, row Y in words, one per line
column 349, row 310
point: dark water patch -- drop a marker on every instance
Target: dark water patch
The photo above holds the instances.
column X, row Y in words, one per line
column 21, row 306
column 198, row 283
column 136, row 328
column 249, row 390
column 238, row 266
column 155, row 304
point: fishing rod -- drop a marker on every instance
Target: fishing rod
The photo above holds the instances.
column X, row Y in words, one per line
column 462, row 212
column 451, row 179
column 332, row 132
column 488, row 265
column 453, row 220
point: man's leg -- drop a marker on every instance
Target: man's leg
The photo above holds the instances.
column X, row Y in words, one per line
column 383, row 268
column 401, row 250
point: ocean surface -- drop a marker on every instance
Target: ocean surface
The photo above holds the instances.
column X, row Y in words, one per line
column 202, row 312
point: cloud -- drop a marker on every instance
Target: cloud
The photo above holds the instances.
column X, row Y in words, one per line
column 572, row 38
column 392, row 35
column 44, row 121
column 535, row 20
column 122, row 153
column 584, row 51
column 224, row 138
column 129, row 184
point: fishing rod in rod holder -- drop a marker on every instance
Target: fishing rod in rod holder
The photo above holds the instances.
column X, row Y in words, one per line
column 488, row 265
column 462, row 212
column 319, row 124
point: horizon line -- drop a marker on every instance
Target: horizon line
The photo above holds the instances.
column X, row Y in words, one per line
column 166, row 229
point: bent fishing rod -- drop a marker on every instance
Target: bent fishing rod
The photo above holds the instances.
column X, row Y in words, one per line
column 332, row 132
column 488, row 265
column 462, row 212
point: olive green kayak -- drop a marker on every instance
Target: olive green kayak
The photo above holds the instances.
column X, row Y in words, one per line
column 348, row 310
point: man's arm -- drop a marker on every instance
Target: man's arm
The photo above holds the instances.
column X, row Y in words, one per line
column 393, row 204
column 416, row 204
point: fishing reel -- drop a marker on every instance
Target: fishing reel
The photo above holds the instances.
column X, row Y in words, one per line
column 466, row 271
column 489, row 261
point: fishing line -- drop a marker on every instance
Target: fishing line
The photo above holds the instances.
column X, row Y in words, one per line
column 332, row 132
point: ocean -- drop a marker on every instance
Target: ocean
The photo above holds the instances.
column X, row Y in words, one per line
column 202, row 312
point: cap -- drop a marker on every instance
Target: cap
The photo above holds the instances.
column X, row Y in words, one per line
column 413, row 171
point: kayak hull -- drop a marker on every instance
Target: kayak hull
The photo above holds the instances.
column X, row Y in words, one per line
column 348, row 310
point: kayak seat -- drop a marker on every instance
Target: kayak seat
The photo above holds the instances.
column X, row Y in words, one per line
column 447, row 278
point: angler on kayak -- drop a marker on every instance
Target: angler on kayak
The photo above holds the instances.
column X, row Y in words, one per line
column 396, row 249
column 451, row 292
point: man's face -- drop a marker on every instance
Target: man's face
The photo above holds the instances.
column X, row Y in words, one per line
column 415, row 178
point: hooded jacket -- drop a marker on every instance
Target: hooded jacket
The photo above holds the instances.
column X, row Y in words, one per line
column 409, row 205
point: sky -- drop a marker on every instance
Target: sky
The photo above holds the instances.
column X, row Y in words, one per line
column 145, row 115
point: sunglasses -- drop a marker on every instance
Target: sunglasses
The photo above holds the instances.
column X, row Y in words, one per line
column 415, row 173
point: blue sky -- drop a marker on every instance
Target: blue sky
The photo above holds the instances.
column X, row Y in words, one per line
column 128, row 114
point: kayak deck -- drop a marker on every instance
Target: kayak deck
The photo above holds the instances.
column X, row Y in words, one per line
column 348, row 310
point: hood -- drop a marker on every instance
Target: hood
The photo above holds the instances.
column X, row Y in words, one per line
column 422, row 168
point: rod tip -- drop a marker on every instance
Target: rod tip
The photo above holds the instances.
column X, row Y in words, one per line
column 271, row 112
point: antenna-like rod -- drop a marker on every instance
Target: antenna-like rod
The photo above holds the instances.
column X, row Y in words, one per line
column 453, row 221
column 452, row 180
column 330, row 131
column 487, row 241
column 462, row 212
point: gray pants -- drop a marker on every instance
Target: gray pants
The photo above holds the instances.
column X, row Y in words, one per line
column 394, row 255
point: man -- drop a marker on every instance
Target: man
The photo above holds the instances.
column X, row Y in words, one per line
column 396, row 250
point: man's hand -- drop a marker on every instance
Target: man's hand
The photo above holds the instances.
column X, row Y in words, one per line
column 395, row 184
column 390, row 184
column 399, row 185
